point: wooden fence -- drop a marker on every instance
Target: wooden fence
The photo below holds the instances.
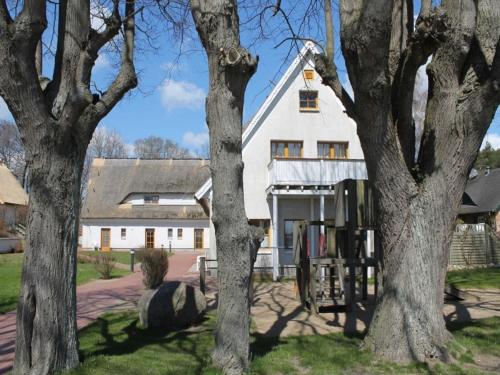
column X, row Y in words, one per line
column 474, row 244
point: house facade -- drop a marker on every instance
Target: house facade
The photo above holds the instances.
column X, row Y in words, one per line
column 13, row 199
column 134, row 204
column 297, row 146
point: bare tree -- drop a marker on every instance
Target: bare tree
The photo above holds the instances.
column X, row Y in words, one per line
column 11, row 149
column 56, row 118
column 417, row 198
column 158, row 148
column 230, row 68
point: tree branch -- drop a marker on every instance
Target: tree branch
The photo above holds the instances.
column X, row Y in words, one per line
column 330, row 41
column 126, row 78
column 425, row 8
column 5, row 18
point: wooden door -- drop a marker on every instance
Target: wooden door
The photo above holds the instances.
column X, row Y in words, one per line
column 150, row 238
column 105, row 239
column 198, row 238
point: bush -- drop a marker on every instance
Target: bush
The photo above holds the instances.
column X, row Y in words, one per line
column 104, row 264
column 85, row 258
column 154, row 265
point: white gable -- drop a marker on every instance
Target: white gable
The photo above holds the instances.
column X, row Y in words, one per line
column 279, row 118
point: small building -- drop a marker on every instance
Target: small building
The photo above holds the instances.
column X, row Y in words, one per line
column 481, row 200
column 13, row 199
column 134, row 203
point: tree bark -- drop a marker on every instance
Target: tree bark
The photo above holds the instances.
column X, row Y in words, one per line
column 46, row 314
column 417, row 200
column 230, row 69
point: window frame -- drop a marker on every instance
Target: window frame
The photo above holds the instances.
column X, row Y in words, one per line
column 123, row 233
column 180, row 233
column 170, row 233
column 316, row 101
column 286, row 149
column 331, row 150
column 307, row 72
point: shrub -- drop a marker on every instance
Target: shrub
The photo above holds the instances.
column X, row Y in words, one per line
column 85, row 258
column 104, row 264
column 154, row 265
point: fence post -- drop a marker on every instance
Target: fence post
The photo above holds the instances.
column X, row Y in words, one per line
column 202, row 274
column 132, row 260
column 487, row 244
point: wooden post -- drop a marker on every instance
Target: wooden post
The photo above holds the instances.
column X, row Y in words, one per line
column 202, row 274
column 351, row 238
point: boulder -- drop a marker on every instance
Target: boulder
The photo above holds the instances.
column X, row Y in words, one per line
column 173, row 305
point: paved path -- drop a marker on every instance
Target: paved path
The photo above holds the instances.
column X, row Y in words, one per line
column 98, row 297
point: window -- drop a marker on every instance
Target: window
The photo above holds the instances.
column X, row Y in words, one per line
column 170, row 233
column 124, row 233
column 179, row 233
column 309, row 74
column 286, row 149
column 289, row 233
column 332, row 150
column 308, row 100
column 151, row 199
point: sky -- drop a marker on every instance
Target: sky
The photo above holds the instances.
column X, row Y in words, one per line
column 170, row 99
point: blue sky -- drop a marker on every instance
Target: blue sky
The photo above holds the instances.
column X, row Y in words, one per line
column 172, row 88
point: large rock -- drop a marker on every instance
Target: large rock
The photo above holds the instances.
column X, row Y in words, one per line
column 173, row 305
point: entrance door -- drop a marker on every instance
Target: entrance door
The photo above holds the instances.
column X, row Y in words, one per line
column 150, row 238
column 105, row 239
column 198, row 238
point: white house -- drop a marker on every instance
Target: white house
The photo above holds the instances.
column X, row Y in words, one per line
column 296, row 147
column 133, row 204
column 13, row 199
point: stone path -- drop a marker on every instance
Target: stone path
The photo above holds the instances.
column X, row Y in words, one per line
column 97, row 297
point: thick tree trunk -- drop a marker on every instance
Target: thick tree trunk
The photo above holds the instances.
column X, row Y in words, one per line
column 230, row 69
column 46, row 313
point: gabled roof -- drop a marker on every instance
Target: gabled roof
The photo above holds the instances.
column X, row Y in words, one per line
column 11, row 191
column 111, row 181
column 256, row 121
column 482, row 194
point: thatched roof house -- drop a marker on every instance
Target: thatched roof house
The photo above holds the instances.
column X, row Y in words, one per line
column 13, row 199
column 135, row 203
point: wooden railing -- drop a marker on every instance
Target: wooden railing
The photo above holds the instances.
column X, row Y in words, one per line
column 314, row 171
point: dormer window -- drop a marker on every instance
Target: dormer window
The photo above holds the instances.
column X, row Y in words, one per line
column 308, row 100
column 151, row 199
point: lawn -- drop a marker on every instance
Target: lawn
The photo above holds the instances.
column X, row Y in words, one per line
column 10, row 278
column 115, row 345
column 478, row 278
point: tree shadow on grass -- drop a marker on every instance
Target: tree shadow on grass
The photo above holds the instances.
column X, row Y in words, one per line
column 185, row 341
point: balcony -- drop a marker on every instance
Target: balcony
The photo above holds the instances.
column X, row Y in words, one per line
column 315, row 172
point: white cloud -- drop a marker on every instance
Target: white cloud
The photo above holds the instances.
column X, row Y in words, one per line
column 493, row 139
column 195, row 140
column 4, row 110
column 181, row 94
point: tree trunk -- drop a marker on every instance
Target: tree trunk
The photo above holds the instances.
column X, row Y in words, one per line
column 230, row 69
column 46, row 313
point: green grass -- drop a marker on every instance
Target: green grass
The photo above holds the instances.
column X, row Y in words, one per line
column 478, row 278
column 10, row 278
column 115, row 345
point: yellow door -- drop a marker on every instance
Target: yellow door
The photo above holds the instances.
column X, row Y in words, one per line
column 198, row 238
column 105, row 239
column 150, row 238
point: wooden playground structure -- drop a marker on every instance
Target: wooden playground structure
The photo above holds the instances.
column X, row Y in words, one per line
column 335, row 275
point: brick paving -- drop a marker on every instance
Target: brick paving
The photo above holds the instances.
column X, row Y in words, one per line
column 98, row 297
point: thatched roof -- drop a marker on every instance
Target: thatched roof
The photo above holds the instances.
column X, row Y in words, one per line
column 111, row 181
column 482, row 194
column 11, row 191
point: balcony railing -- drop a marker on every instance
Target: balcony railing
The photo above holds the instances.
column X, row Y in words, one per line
column 304, row 172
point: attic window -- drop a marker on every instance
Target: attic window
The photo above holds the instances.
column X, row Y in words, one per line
column 308, row 100
column 151, row 199
column 308, row 74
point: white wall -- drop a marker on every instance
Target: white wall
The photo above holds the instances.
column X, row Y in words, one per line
column 135, row 237
column 285, row 122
